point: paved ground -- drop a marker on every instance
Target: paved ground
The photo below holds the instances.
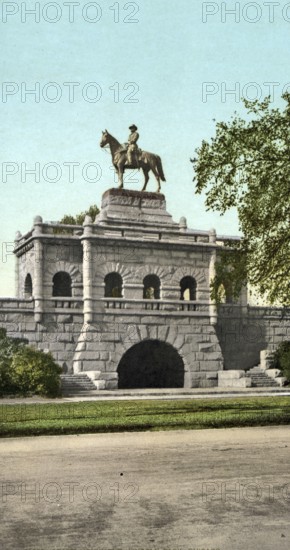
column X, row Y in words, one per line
column 226, row 489
column 192, row 393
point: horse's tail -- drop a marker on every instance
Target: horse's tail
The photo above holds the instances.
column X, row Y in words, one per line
column 159, row 168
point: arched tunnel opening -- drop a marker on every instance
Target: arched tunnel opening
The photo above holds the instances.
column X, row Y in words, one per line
column 151, row 364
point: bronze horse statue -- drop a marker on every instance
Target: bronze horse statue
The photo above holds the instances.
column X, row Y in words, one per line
column 146, row 161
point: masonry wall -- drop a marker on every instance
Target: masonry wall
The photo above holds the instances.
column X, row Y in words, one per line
column 135, row 261
column 57, row 254
column 25, row 266
column 63, row 255
column 58, row 333
column 236, row 340
column 102, row 344
column 91, row 332
column 244, row 332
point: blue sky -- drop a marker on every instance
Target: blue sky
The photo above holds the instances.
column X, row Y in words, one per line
column 162, row 59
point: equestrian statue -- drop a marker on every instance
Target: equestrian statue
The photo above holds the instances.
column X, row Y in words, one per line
column 128, row 156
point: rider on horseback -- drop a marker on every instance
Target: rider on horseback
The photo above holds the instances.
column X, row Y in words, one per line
column 121, row 155
column 132, row 151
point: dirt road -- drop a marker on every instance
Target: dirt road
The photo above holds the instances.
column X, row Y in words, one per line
column 214, row 489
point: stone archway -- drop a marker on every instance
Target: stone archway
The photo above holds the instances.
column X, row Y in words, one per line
column 151, row 364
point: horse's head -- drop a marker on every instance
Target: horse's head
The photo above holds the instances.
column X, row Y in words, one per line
column 105, row 138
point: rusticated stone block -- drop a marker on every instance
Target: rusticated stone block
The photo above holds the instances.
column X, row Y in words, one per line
column 100, row 384
column 89, row 356
column 266, row 359
column 65, row 338
column 29, row 327
column 152, row 332
column 206, row 347
column 113, row 357
column 196, row 329
column 94, row 374
column 231, row 374
column 110, row 337
column 211, row 375
column 178, row 342
column 210, row 365
column 110, row 375
column 64, row 355
column 56, row 346
column 193, row 364
column 70, row 347
column 110, row 385
column 215, row 356
column 162, row 333
column 152, row 320
column 32, row 337
column 77, row 366
column 208, row 383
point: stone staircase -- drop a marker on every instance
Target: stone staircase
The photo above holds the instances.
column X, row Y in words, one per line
column 77, row 384
column 260, row 379
column 260, row 376
column 264, row 375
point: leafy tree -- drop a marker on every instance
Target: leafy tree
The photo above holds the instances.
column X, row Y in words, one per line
column 247, row 166
column 80, row 218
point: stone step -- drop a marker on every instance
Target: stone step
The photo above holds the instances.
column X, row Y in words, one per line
column 87, row 393
column 74, row 376
column 264, row 382
column 76, row 383
column 258, row 376
column 78, row 386
column 260, row 379
column 257, row 370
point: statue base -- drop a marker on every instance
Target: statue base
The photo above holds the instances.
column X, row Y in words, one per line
column 124, row 205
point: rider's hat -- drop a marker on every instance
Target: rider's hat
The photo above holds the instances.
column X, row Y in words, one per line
column 133, row 127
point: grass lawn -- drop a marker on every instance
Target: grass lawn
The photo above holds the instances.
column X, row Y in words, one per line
column 118, row 416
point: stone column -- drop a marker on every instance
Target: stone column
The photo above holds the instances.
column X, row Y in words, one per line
column 38, row 270
column 87, row 270
column 212, row 307
column 183, row 225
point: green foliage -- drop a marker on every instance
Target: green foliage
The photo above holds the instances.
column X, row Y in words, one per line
column 8, row 346
column 247, row 166
column 230, row 274
column 80, row 218
column 36, row 372
column 25, row 369
column 282, row 359
column 6, row 385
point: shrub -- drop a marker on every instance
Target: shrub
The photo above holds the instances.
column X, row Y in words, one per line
column 8, row 346
column 32, row 370
column 25, row 369
column 6, row 385
column 282, row 359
